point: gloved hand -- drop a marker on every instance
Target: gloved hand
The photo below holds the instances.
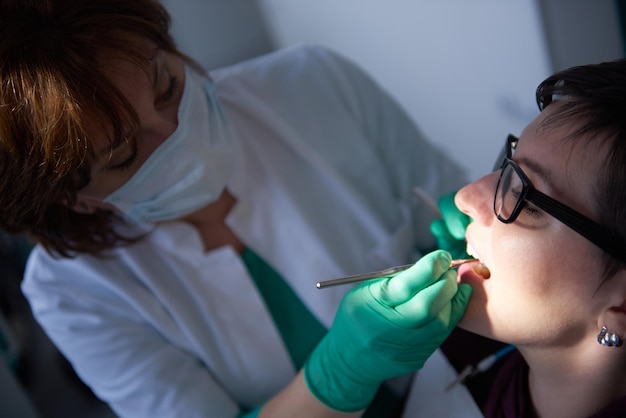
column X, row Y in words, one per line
column 450, row 230
column 383, row 329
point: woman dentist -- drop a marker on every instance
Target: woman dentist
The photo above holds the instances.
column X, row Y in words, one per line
column 183, row 219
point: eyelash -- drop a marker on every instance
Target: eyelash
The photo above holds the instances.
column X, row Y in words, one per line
column 127, row 162
column 529, row 208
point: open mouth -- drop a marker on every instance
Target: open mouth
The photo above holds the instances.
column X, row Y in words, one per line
column 479, row 268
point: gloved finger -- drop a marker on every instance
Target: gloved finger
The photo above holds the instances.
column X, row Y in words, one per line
column 459, row 302
column 404, row 286
column 443, row 322
column 445, row 241
column 428, row 303
column 455, row 220
column 440, row 231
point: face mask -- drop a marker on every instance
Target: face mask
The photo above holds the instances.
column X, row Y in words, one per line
column 190, row 168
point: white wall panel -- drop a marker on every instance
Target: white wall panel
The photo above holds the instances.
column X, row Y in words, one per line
column 466, row 71
column 218, row 32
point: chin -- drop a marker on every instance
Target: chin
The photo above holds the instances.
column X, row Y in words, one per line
column 475, row 318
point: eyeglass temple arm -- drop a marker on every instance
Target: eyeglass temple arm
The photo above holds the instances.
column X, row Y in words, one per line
column 594, row 232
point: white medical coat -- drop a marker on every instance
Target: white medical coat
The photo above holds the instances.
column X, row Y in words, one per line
column 325, row 165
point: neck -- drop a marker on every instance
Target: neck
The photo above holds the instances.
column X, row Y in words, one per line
column 575, row 382
column 215, row 212
column 210, row 222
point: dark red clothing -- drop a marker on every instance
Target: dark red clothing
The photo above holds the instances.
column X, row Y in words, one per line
column 502, row 392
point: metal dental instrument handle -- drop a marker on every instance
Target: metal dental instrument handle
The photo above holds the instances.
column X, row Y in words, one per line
column 386, row 273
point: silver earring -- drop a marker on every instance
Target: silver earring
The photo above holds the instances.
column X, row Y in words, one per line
column 609, row 339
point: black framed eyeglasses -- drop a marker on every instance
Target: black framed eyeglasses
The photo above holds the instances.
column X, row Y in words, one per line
column 515, row 190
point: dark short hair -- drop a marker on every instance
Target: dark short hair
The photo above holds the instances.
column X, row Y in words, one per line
column 50, row 82
column 596, row 106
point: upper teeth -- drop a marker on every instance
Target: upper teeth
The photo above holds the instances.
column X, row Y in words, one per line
column 470, row 251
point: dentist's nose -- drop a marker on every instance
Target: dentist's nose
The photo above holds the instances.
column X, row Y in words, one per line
column 476, row 199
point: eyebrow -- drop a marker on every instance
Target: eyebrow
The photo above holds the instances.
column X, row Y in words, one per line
column 542, row 172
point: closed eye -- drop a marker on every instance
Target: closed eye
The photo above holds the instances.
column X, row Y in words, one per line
column 528, row 208
column 128, row 161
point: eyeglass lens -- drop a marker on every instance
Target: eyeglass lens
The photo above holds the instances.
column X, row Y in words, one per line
column 508, row 193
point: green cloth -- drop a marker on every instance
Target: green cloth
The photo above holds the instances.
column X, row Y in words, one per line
column 300, row 330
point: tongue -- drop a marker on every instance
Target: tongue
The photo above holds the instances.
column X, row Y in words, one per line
column 482, row 270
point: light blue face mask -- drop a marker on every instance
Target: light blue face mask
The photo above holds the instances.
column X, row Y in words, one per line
column 190, row 168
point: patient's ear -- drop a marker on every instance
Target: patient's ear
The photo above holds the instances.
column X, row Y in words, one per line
column 614, row 315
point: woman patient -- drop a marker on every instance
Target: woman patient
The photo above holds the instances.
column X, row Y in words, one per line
column 550, row 226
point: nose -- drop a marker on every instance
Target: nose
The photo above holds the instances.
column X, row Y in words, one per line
column 158, row 124
column 476, row 199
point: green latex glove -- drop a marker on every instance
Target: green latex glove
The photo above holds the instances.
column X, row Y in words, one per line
column 449, row 231
column 383, row 329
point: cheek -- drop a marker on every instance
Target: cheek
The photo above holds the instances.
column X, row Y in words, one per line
column 551, row 250
column 104, row 183
column 541, row 285
column 522, row 275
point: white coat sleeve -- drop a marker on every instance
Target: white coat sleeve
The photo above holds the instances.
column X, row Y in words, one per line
column 124, row 360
